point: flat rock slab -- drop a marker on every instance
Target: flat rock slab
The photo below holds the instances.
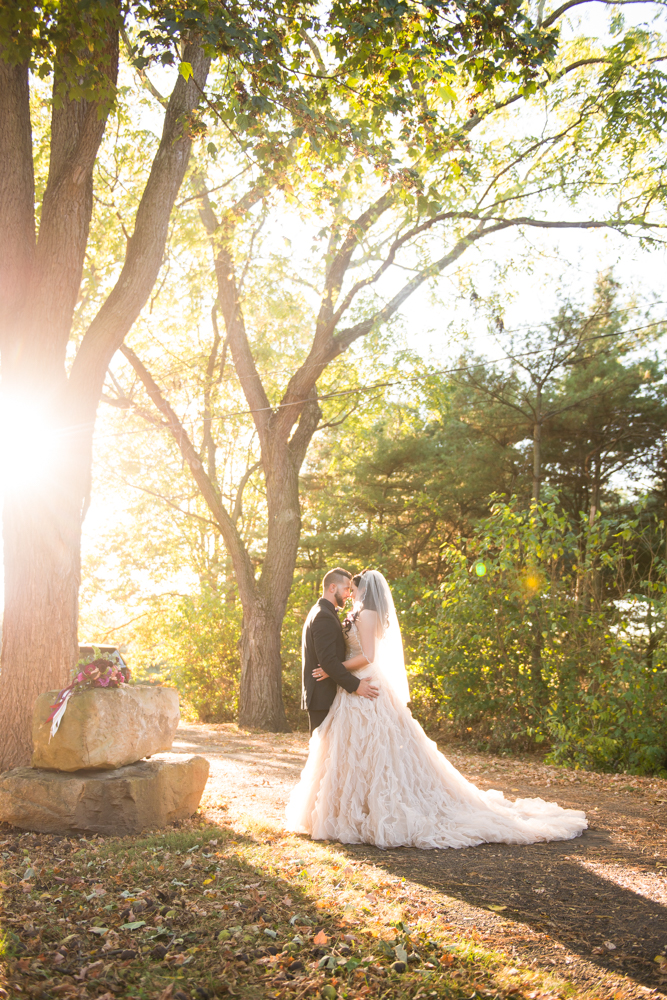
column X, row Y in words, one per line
column 147, row 795
column 105, row 728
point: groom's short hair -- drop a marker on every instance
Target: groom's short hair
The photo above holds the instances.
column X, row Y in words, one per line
column 336, row 575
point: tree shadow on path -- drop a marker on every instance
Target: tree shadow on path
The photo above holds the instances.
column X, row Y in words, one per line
column 552, row 889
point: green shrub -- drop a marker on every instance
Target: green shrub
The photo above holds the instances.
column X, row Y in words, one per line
column 550, row 633
column 192, row 643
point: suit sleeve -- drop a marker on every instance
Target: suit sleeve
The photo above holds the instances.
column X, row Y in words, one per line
column 324, row 637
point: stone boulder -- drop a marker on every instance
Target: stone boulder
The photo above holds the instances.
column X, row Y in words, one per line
column 147, row 795
column 104, row 728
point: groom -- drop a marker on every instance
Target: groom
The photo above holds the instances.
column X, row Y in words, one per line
column 323, row 645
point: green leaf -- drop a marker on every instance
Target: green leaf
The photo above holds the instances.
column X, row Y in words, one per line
column 445, row 93
column 185, row 69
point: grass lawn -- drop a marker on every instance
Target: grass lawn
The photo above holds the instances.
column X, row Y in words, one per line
column 203, row 911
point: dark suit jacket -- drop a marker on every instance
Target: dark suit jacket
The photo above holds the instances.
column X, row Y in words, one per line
column 323, row 643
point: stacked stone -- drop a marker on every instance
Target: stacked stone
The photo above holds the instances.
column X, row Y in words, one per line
column 90, row 776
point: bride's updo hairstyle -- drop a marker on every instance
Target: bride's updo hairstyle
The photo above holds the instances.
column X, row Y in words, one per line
column 373, row 594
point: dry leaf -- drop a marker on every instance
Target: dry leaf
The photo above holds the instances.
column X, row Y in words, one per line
column 320, row 938
column 94, row 970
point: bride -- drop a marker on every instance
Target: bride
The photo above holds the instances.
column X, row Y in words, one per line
column 374, row 777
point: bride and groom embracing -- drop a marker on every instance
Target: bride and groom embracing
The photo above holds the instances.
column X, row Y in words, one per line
column 372, row 775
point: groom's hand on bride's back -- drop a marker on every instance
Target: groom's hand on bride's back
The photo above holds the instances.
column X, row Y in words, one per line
column 366, row 689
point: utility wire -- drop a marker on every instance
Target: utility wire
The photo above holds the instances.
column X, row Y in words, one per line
column 373, row 387
column 185, row 366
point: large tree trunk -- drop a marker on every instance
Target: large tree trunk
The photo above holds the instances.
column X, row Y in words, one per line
column 42, row 535
column 42, row 544
column 260, row 696
column 39, row 285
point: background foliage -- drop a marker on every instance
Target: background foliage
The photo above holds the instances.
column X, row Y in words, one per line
column 525, row 624
column 422, row 469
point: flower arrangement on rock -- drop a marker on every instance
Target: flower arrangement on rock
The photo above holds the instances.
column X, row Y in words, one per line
column 103, row 672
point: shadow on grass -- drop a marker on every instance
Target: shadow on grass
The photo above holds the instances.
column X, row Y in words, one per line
column 220, row 900
column 549, row 888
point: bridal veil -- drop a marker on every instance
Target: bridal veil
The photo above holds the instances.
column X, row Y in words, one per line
column 374, row 593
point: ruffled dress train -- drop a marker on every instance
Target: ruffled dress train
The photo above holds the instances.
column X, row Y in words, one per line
column 374, row 777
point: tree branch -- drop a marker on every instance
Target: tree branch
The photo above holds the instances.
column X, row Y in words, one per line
column 141, row 73
column 124, row 403
column 208, row 444
column 552, row 18
column 341, row 261
column 347, row 337
column 305, row 378
column 146, row 248
column 172, row 504
column 228, row 297
column 77, row 128
column 238, row 504
column 311, row 415
column 314, row 49
column 17, row 199
column 242, row 564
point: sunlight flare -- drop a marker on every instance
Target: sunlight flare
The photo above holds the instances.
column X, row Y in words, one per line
column 29, row 443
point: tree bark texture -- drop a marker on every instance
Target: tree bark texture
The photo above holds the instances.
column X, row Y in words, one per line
column 17, row 193
column 260, row 695
column 42, row 540
column 39, row 284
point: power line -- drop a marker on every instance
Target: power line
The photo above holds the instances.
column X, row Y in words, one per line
column 373, row 387
column 185, row 366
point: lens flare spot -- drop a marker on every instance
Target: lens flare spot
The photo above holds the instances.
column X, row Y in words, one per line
column 29, row 443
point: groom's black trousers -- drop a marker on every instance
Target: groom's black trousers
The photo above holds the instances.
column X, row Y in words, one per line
column 316, row 718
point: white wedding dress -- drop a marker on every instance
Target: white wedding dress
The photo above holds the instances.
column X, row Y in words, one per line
column 374, row 777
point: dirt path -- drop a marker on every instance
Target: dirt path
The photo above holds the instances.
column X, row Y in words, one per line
column 593, row 909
